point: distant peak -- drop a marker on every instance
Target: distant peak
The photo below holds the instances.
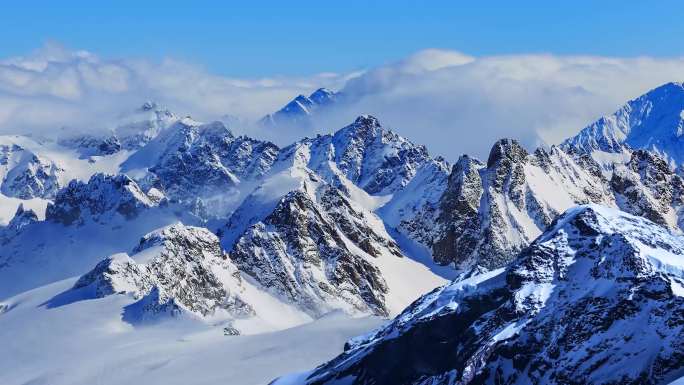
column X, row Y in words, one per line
column 679, row 85
column 323, row 90
column 301, row 98
column 652, row 121
column 323, row 96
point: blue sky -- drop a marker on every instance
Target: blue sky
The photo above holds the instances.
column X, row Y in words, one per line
column 263, row 38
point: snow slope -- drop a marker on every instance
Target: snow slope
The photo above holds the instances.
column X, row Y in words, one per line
column 308, row 243
column 86, row 342
column 653, row 121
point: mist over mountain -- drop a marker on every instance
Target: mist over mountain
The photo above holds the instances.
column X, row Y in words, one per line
column 534, row 98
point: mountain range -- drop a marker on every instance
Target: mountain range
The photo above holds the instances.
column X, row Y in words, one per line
column 532, row 266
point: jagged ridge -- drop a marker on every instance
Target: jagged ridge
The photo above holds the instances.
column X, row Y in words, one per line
column 598, row 298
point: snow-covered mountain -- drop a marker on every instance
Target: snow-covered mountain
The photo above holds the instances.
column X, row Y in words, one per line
column 130, row 132
column 310, row 207
column 647, row 186
column 653, row 122
column 472, row 217
column 85, row 223
column 33, row 169
column 176, row 269
column 491, row 211
column 166, row 222
column 300, row 109
column 26, row 175
column 488, row 212
column 308, row 232
column 192, row 162
column 597, row 298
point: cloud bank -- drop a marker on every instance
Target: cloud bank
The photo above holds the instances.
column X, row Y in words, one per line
column 447, row 100
column 54, row 87
column 458, row 104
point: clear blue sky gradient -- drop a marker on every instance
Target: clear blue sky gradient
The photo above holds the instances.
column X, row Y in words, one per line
column 264, row 38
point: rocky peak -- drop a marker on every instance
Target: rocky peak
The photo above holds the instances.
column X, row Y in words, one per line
column 506, row 151
column 214, row 133
column 366, row 123
column 300, row 105
column 174, row 269
column 250, row 158
column 23, row 216
column 647, row 186
column 202, row 160
column 180, row 240
column 300, row 253
column 300, row 109
column 506, row 165
column 487, row 214
column 376, row 159
column 21, row 219
column 27, row 175
column 600, row 284
column 459, row 208
column 103, row 196
column 137, row 129
column 465, row 165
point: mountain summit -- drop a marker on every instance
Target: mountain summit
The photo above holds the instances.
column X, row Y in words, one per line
column 299, row 110
column 597, row 298
column 653, row 121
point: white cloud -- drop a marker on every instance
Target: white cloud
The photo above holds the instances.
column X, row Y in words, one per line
column 465, row 104
column 452, row 102
column 55, row 87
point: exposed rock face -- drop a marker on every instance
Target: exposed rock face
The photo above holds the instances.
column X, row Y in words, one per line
column 97, row 200
column 186, row 271
column 25, row 175
column 460, row 208
column 598, row 298
column 249, row 158
column 191, row 161
column 304, row 251
column 91, row 145
column 366, row 156
column 488, row 213
column 646, row 186
column 375, row 159
column 307, row 232
column 22, row 218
